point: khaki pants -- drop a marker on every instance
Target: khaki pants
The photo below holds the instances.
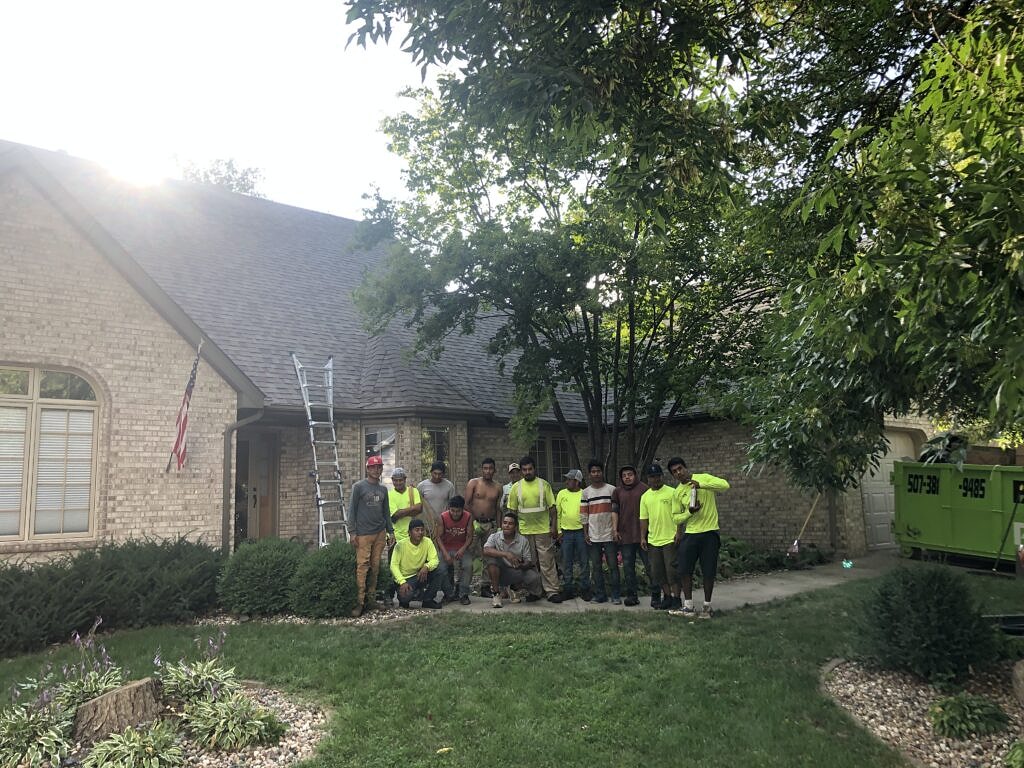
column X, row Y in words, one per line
column 543, row 549
column 368, row 554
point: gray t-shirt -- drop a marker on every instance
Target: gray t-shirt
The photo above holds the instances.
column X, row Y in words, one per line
column 436, row 496
column 518, row 546
column 368, row 512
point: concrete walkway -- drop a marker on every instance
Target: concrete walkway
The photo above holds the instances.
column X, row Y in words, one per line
column 729, row 595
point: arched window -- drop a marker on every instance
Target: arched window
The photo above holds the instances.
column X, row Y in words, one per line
column 47, row 453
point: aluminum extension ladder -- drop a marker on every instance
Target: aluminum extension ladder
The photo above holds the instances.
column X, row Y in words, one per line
column 318, row 400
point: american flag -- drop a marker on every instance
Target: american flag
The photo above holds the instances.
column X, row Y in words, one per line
column 180, row 449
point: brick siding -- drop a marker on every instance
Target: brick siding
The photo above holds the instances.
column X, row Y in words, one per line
column 64, row 305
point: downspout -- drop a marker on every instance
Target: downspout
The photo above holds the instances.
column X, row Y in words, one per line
column 225, row 522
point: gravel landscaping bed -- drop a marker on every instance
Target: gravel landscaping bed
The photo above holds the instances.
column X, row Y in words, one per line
column 298, row 743
column 894, row 707
column 379, row 616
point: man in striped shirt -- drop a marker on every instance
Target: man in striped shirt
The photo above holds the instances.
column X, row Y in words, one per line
column 600, row 523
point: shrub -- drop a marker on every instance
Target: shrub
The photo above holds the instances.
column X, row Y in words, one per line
column 963, row 715
column 1014, row 757
column 132, row 584
column 922, row 621
column 257, row 576
column 187, row 681
column 324, row 585
column 154, row 747
column 232, row 722
column 33, row 734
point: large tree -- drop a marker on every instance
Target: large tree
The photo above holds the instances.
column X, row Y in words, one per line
column 636, row 314
column 911, row 298
column 223, row 172
column 914, row 297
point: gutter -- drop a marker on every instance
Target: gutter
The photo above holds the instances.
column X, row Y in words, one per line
column 225, row 522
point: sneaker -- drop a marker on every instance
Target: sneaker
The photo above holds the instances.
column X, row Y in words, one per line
column 631, row 601
column 465, row 600
column 532, row 598
column 514, row 595
column 586, row 595
column 655, row 601
column 496, row 601
column 485, row 591
column 686, row 613
column 600, row 599
column 431, row 605
column 554, row 597
column 707, row 613
column 616, row 601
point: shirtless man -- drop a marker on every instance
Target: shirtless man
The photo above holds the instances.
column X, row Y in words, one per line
column 482, row 498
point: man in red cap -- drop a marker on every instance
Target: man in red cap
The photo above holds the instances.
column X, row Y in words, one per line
column 370, row 528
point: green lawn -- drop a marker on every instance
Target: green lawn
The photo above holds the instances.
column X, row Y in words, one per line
column 594, row 689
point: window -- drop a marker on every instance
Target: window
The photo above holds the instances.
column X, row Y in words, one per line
column 553, row 458
column 47, row 452
column 433, row 447
column 380, row 441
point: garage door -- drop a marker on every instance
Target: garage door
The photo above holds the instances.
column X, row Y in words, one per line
column 877, row 491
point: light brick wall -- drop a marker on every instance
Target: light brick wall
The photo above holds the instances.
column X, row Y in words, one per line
column 64, row 305
column 297, row 507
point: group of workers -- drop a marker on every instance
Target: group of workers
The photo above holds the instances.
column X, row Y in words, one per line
column 431, row 537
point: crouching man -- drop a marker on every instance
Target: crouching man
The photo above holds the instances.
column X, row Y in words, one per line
column 508, row 561
column 414, row 567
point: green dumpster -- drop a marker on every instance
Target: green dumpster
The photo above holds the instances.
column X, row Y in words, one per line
column 941, row 508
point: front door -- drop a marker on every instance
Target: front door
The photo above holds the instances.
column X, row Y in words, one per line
column 259, row 451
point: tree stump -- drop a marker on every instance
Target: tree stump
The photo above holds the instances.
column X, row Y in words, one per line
column 131, row 704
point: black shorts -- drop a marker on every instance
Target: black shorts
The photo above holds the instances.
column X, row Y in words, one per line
column 702, row 547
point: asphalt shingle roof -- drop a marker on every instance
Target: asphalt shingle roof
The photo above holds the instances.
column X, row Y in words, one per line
column 262, row 279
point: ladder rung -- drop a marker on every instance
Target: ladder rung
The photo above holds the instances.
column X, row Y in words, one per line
column 335, row 522
column 321, row 423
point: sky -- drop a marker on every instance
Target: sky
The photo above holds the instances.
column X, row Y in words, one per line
column 141, row 86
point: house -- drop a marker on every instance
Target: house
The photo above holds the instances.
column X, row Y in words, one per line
column 106, row 289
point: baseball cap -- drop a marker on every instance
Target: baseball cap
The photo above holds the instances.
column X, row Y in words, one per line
column 398, row 472
column 655, row 469
column 574, row 474
column 513, row 465
column 375, row 461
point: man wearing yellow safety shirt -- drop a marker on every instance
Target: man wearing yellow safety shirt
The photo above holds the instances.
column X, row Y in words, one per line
column 696, row 497
column 534, row 502
column 570, row 532
column 659, row 524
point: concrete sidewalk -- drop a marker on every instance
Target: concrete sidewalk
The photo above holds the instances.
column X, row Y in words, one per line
column 729, row 595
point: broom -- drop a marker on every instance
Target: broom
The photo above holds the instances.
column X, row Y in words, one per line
column 794, row 548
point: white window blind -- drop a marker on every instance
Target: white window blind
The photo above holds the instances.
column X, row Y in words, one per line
column 13, row 423
column 63, row 470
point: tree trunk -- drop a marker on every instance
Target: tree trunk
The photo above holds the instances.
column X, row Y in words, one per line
column 131, row 704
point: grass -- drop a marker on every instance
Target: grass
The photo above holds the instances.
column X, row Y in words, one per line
column 566, row 690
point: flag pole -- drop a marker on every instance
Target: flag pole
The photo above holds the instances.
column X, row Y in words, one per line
column 188, row 395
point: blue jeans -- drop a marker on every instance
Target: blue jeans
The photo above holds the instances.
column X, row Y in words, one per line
column 629, row 555
column 421, row 590
column 574, row 551
column 611, row 554
column 447, row 574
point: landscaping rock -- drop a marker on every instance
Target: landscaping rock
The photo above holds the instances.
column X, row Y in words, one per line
column 131, row 704
column 1018, row 681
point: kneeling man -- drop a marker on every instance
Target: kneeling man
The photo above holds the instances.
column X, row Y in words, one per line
column 508, row 561
column 414, row 567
